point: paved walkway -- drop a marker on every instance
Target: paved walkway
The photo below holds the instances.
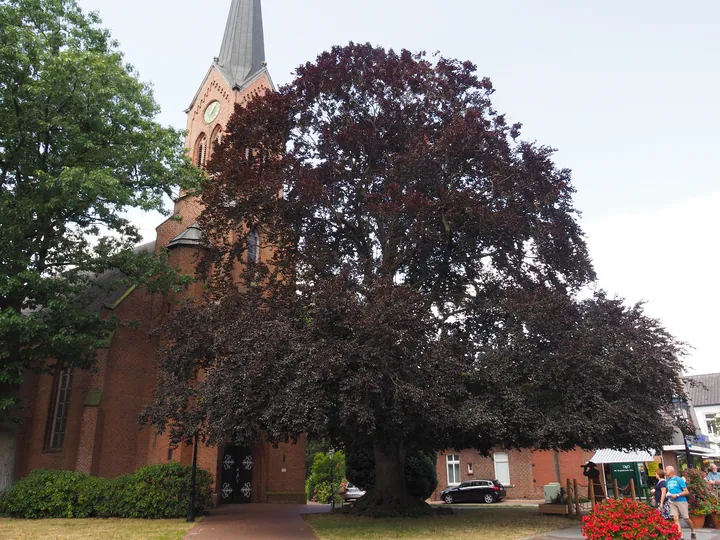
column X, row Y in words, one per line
column 575, row 533
column 257, row 522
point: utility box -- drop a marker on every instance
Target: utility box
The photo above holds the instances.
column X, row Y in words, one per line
column 552, row 490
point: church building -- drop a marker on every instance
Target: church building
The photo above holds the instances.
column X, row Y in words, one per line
column 87, row 420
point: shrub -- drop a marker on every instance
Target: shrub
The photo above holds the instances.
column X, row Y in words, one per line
column 52, row 494
column 162, row 491
column 322, row 494
column 153, row 492
column 420, row 474
column 625, row 519
column 700, row 492
column 320, row 474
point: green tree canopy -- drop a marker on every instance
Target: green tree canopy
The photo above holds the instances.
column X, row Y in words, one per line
column 79, row 146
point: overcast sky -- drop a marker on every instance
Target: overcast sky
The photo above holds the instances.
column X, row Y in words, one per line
column 627, row 92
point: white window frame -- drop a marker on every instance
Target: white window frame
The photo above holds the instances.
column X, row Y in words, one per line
column 711, row 425
column 501, row 460
column 452, row 469
column 59, row 412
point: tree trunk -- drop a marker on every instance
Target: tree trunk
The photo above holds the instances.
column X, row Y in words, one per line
column 389, row 494
column 390, row 489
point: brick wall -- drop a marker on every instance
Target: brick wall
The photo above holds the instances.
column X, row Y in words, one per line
column 669, row 459
column 551, row 466
column 522, row 484
column 286, row 468
column 37, row 392
column 130, row 365
column 530, row 470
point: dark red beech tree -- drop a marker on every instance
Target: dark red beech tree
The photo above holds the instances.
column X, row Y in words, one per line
column 421, row 285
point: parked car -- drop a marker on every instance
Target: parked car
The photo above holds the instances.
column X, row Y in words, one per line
column 486, row 491
column 352, row 493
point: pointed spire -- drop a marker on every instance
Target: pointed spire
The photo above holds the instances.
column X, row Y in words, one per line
column 242, row 53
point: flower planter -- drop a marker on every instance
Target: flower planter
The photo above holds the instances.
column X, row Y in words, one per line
column 558, row 509
column 715, row 521
column 697, row 521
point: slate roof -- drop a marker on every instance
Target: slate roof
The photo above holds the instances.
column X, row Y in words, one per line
column 192, row 236
column 707, row 392
column 107, row 288
column 242, row 53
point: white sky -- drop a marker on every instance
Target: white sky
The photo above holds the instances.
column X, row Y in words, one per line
column 627, row 91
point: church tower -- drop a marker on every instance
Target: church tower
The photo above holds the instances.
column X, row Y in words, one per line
column 237, row 74
column 259, row 473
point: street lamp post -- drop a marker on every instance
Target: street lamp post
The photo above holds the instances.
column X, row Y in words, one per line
column 193, row 483
column 682, row 414
column 331, row 454
column 688, row 456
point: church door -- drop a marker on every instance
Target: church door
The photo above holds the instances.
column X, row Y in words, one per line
column 237, row 466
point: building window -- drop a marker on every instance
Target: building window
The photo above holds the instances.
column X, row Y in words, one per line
column 201, row 151
column 453, row 469
column 59, row 410
column 502, row 468
column 216, row 137
column 254, row 246
column 713, row 424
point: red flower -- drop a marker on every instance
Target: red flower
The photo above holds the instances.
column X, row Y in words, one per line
column 625, row 519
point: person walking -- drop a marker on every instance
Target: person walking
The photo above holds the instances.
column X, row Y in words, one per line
column 661, row 500
column 678, row 494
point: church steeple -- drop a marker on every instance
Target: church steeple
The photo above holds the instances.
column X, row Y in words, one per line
column 242, row 54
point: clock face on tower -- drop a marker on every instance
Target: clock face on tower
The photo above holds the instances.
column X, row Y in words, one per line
column 211, row 112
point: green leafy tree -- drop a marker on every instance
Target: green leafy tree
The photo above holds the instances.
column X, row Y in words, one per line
column 79, row 146
column 319, row 483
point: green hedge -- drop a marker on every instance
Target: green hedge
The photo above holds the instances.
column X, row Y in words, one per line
column 153, row 492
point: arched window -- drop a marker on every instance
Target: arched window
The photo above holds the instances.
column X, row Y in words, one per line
column 200, row 153
column 253, row 246
column 217, row 135
column 215, row 138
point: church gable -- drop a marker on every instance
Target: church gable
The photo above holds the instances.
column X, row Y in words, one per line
column 211, row 110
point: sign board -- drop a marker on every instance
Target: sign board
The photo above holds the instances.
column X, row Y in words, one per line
column 623, row 472
column 652, row 468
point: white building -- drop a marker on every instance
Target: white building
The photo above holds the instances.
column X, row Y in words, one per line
column 704, row 396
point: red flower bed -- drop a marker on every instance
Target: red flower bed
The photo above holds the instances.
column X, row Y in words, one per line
column 625, row 519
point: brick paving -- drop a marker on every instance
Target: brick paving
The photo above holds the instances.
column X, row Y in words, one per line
column 257, row 522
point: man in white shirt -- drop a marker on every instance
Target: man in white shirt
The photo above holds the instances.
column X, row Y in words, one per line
column 713, row 476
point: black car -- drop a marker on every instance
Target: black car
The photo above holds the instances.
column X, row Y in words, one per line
column 487, row 491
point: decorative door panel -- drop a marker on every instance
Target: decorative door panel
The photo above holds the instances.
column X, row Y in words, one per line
column 237, row 469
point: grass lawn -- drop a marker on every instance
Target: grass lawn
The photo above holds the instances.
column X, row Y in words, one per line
column 489, row 524
column 94, row 529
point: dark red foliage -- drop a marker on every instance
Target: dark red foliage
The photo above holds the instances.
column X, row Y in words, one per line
column 422, row 291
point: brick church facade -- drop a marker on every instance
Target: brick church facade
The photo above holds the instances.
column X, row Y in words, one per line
column 86, row 420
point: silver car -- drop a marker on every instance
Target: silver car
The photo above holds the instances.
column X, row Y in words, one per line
column 352, row 493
